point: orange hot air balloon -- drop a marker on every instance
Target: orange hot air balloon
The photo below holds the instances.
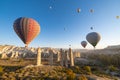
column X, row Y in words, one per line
column 27, row 29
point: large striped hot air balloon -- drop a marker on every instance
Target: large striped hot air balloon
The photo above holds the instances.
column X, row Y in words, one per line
column 27, row 29
column 93, row 38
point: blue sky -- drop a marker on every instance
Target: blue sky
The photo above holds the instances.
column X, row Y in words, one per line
column 62, row 15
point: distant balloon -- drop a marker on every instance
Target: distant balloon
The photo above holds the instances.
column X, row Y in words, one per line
column 69, row 45
column 50, row 7
column 117, row 17
column 91, row 10
column 91, row 28
column 84, row 43
column 93, row 38
column 78, row 10
column 27, row 29
column 64, row 29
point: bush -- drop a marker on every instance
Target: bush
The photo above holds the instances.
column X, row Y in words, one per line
column 70, row 75
column 112, row 68
column 82, row 77
column 76, row 69
column 11, row 68
column 1, row 69
column 0, row 56
column 87, row 68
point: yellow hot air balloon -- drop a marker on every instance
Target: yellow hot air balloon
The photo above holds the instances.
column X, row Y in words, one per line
column 117, row 17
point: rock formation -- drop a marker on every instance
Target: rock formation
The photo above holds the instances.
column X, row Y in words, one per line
column 71, row 57
column 51, row 57
column 61, row 57
column 58, row 56
column 66, row 59
column 76, row 55
column 38, row 57
column 4, row 56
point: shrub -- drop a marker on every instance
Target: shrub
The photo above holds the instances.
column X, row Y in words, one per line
column 70, row 75
column 76, row 69
column 112, row 68
column 82, row 77
column 1, row 69
column 87, row 68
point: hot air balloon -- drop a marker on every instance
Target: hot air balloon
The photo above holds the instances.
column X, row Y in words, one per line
column 91, row 28
column 93, row 38
column 91, row 10
column 27, row 29
column 50, row 7
column 84, row 43
column 78, row 10
column 64, row 28
column 69, row 45
column 117, row 17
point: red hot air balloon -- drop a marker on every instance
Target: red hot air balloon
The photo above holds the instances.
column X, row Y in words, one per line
column 27, row 29
column 84, row 43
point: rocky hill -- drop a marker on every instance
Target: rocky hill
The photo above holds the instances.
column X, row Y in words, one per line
column 8, row 51
column 22, row 52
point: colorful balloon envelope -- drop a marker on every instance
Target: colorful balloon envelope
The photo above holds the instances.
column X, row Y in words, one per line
column 78, row 10
column 84, row 43
column 91, row 28
column 93, row 38
column 117, row 17
column 50, row 7
column 27, row 29
column 91, row 10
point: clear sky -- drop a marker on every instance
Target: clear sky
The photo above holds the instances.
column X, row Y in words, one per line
column 61, row 24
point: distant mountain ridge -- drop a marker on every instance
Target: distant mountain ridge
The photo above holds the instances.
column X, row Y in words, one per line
column 22, row 52
column 113, row 47
column 12, row 51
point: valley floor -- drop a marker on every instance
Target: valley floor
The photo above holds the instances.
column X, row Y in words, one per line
column 25, row 69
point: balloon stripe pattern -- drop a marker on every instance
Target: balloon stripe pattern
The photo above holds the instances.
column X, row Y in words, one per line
column 26, row 28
